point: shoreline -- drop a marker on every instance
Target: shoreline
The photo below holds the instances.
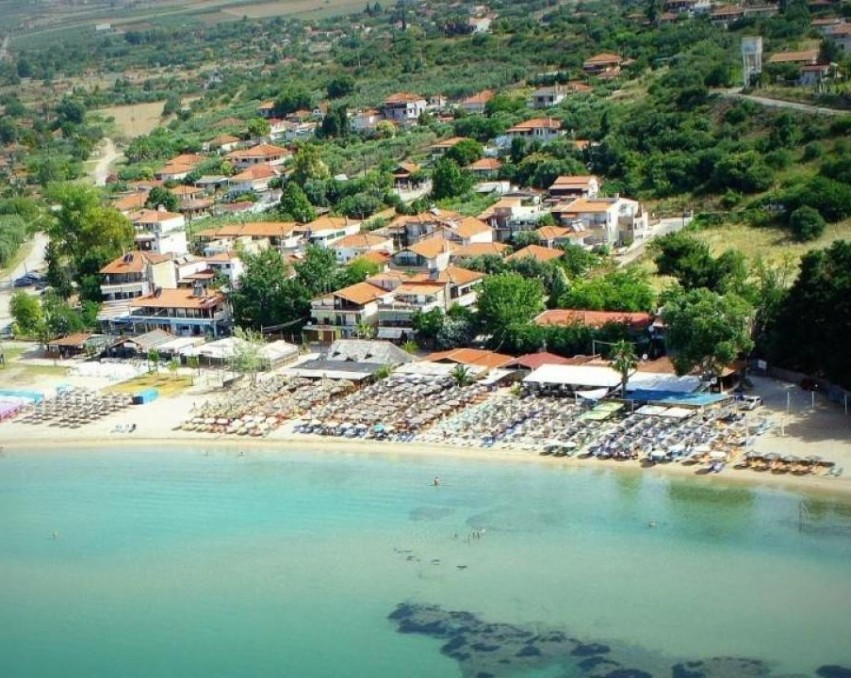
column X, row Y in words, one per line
column 814, row 485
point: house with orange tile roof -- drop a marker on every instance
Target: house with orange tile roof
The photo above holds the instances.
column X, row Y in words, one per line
column 540, row 129
column 365, row 120
column 473, row 357
column 132, row 202
column 406, row 229
column 462, row 283
column 485, row 168
column 407, row 176
column 466, row 231
column 440, row 148
column 253, row 179
column 558, row 236
column 325, row 230
column 224, row 143
column 183, row 312
column 350, row 247
column 159, row 231
column 136, row 274
column 266, row 109
column 278, row 234
column 404, row 107
column 512, row 214
column 337, row 315
column 547, row 97
column 595, row 319
column 480, row 249
column 575, row 186
column 428, row 254
column 261, row 154
column 536, row 252
column 396, row 311
column 802, row 58
column 609, row 220
column 602, row 63
column 476, row 103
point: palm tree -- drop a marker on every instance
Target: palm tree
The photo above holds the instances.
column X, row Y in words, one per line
column 364, row 330
column 625, row 361
column 461, row 375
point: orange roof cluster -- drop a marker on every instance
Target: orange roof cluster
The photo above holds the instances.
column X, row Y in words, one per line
column 536, row 123
column 478, row 99
column 468, row 227
column 805, row 56
column 449, row 143
column 153, row 216
column 431, row 247
column 258, row 151
column 325, row 222
column 562, row 316
column 485, row 165
column 533, row 361
column 586, row 206
column 454, row 275
column 134, row 201
column 255, row 173
column 555, row 232
column 574, row 181
column 402, row 98
column 602, row 60
column 471, row 356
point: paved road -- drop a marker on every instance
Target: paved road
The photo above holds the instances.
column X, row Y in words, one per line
column 779, row 103
column 664, row 227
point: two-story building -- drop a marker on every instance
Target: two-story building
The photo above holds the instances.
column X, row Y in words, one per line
column 254, row 179
column 325, row 230
column 351, row 247
column 429, row 254
column 570, row 187
column 396, row 311
column 513, row 214
column 600, row 64
column 183, row 312
column 159, row 231
column 261, row 154
column 258, row 235
column 547, row 97
column 609, row 220
column 136, row 274
column 406, row 229
column 337, row 315
column 537, row 129
column 466, row 231
column 439, row 149
column 485, row 168
column 476, row 103
column 404, row 107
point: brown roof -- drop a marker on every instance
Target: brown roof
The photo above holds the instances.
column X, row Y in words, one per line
column 479, row 249
column 134, row 262
column 360, row 293
column 223, row 139
column 326, row 222
column 407, row 168
column 186, row 190
column 191, row 159
column 805, row 56
column 480, row 98
column 360, row 240
column 452, row 274
column 255, row 173
column 374, row 256
column 420, row 287
column 256, row 229
column 562, row 316
column 149, row 216
column 258, row 151
column 536, row 123
column 431, row 247
column 448, row 143
column 177, row 168
column 577, row 180
column 586, row 206
column 542, row 254
column 177, row 298
column 471, row 356
column 533, row 361
column 554, row 232
column 485, row 165
column 134, row 201
column 403, row 98
column 77, row 339
column 430, row 217
column 470, row 226
column 602, row 59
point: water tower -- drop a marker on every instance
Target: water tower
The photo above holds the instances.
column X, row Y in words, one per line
column 751, row 59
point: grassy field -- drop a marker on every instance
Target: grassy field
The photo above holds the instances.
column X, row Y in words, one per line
column 167, row 384
column 134, row 120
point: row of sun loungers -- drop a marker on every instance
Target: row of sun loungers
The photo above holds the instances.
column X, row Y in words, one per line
column 76, row 408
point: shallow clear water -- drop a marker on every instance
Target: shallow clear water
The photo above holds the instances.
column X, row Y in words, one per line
column 173, row 563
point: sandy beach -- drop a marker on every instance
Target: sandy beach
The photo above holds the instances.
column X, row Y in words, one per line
column 824, row 430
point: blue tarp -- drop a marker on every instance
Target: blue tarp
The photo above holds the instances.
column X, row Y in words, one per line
column 35, row 396
column 672, row 398
column 145, row 396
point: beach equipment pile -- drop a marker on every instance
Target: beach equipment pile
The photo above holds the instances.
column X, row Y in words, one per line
column 258, row 409
column 77, row 407
column 395, row 408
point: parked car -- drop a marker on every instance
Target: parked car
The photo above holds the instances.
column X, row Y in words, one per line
column 24, row 281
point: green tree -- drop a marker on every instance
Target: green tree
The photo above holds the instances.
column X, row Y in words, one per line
column 160, row 196
column 625, row 361
column 620, row 290
column 84, row 235
column 461, row 376
column 465, row 152
column 153, row 360
column 60, row 318
column 317, row 272
column 358, row 270
column 340, row 86
column 365, row 330
column 308, row 164
column 292, row 98
column 506, row 302
column 294, row 204
column 247, row 357
column 258, row 127
column 814, row 317
column 173, row 366
column 806, row 223
column 26, row 311
column 266, row 295
column 706, row 330
column 428, row 325
column 448, row 180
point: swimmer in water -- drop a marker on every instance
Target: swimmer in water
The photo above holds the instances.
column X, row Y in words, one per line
column 436, row 481
column 652, row 523
column 55, row 535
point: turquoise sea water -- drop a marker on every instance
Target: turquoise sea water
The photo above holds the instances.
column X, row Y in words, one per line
column 173, row 563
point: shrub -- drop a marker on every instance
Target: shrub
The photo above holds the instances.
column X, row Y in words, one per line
column 806, row 223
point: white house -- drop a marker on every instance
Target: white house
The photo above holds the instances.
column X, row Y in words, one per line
column 610, row 220
column 325, row 230
column 252, row 179
column 404, row 107
column 540, row 129
column 546, row 97
column 350, row 247
column 337, row 315
column 262, row 154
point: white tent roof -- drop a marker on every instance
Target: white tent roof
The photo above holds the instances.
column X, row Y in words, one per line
column 425, row 368
column 576, row 375
column 652, row 381
column 177, row 344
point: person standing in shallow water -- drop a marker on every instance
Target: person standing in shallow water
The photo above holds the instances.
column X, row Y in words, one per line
column 436, row 481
